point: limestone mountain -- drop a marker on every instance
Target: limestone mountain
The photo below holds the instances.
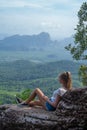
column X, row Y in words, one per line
column 25, row 42
column 37, row 43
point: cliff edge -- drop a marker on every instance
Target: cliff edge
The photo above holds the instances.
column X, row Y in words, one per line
column 71, row 114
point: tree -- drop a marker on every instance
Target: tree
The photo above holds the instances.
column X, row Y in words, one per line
column 83, row 74
column 79, row 50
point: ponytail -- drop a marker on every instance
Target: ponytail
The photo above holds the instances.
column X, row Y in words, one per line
column 69, row 80
column 66, row 77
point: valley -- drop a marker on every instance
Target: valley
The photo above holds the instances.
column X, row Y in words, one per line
column 27, row 62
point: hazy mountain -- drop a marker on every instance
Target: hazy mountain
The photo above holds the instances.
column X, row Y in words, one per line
column 41, row 43
column 3, row 35
column 27, row 42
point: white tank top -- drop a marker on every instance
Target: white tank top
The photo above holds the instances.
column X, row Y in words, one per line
column 58, row 92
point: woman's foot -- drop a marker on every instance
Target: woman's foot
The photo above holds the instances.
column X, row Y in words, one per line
column 21, row 102
column 24, row 103
column 18, row 100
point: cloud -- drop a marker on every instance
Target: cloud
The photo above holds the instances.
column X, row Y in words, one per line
column 45, row 5
column 19, row 3
column 40, row 7
column 59, row 26
column 58, row 17
column 40, row 4
column 10, row 3
column 50, row 25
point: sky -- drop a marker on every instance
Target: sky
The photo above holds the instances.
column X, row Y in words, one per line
column 27, row 17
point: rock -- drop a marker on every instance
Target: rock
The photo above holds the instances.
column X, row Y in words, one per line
column 71, row 114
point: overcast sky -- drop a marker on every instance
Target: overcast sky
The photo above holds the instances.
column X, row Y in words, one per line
column 57, row 17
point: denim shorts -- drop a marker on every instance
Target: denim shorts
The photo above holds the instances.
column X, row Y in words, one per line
column 49, row 107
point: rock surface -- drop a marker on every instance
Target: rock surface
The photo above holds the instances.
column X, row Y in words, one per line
column 71, row 114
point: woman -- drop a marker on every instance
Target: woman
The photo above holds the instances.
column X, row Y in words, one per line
column 44, row 101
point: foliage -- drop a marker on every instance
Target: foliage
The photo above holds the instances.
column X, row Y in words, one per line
column 24, row 94
column 83, row 74
column 79, row 50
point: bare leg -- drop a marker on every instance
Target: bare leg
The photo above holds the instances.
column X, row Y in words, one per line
column 34, row 103
column 41, row 96
column 37, row 103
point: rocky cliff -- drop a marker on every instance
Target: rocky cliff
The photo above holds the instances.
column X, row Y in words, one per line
column 71, row 114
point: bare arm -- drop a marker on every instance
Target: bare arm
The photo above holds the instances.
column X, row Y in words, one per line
column 55, row 103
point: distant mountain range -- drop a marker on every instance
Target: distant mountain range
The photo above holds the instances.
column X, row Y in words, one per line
column 41, row 42
column 4, row 35
column 33, row 42
column 25, row 42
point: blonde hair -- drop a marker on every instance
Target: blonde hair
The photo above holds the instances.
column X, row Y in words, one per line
column 66, row 77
